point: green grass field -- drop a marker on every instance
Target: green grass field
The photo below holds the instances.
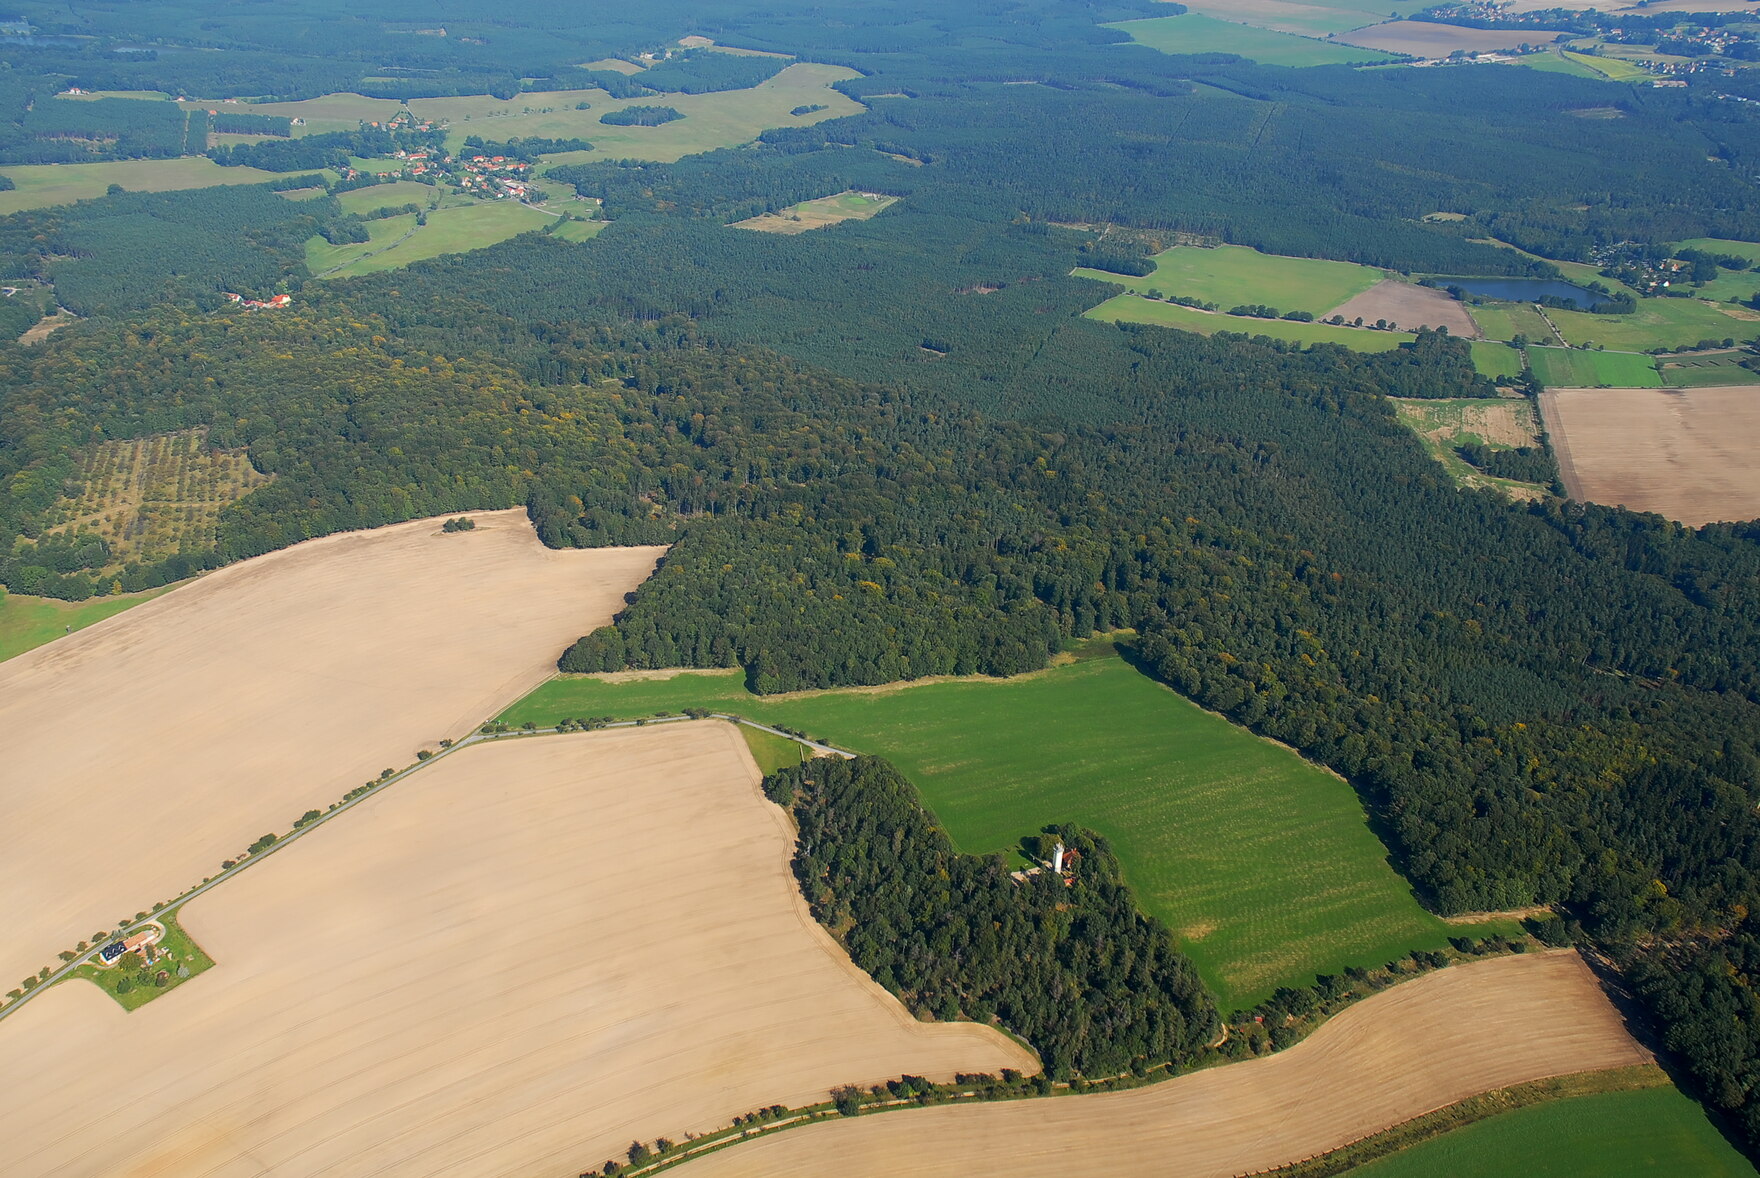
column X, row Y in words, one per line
column 28, row 622
column 1652, row 1131
column 1306, row 16
column 386, row 196
column 1505, row 321
column 1658, row 323
column 1196, row 33
column 1699, row 370
column 1261, row 862
column 579, row 230
column 1130, row 308
column 1499, row 361
column 1557, row 63
column 41, row 185
column 1611, row 68
column 1570, row 368
column 452, row 230
column 1230, row 275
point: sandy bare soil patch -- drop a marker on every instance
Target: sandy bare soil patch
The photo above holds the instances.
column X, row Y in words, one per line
column 515, row 964
column 1687, row 454
column 1424, row 39
column 141, row 752
column 1410, row 306
column 1417, row 1047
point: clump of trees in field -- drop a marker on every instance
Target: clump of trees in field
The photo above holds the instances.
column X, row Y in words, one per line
column 640, row 116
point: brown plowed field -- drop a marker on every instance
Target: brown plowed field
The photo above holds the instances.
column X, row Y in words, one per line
column 1426, row 39
column 1410, row 306
column 1417, row 1047
column 513, row 964
column 138, row 754
column 1687, row 454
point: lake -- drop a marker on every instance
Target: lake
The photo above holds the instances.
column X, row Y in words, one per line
column 1521, row 290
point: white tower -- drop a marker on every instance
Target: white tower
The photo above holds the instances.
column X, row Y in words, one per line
column 1057, row 858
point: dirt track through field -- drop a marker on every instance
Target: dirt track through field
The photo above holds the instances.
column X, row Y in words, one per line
column 138, row 754
column 537, row 952
column 1410, row 306
column 1417, row 1047
column 1687, row 454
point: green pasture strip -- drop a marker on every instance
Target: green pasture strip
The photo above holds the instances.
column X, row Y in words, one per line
column 1261, row 862
column 1195, row 33
column 1130, row 308
column 41, row 185
column 1573, row 368
column 28, row 622
column 572, row 230
column 1611, row 68
column 1658, row 323
column 1618, row 1134
column 1505, row 321
column 1497, row 360
column 1233, row 275
column 387, row 196
column 1699, row 371
column 772, row 752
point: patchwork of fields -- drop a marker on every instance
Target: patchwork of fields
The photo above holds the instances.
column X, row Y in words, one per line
column 1262, row 863
column 1419, row 1046
column 541, row 950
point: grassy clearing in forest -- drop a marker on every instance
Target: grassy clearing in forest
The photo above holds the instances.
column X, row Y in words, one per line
column 1131, row 308
column 816, row 214
column 1608, row 1135
column 1658, row 323
column 1574, row 368
column 41, row 185
column 29, row 622
column 453, row 230
column 1503, row 424
column 1262, row 863
column 1497, row 360
column 1195, row 33
column 1232, row 275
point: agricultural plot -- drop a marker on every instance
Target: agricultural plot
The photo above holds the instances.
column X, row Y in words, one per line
column 1429, row 39
column 1312, row 18
column 1554, row 62
column 1407, row 305
column 1659, row 323
column 1193, row 32
column 1499, row 361
column 1687, row 454
column 398, row 241
column 816, row 214
column 1131, row 308
column 29, row 622
column 150, row 498
column 577, row 230
column 1233, row 275
column 1611, row 68
column 540, row 951
column 41, row 185
column 1608, row 1135
column 1505, row 423
column 1573, row 368
column 1198, row 810
column 227, row 708
column 1701, row 369
column 1431, row 1042
column 1505, row 321
column 389, row 196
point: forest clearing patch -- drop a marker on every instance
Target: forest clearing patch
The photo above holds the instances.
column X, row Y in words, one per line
column 1687, row 454
column 544, row 949
column 816, row 214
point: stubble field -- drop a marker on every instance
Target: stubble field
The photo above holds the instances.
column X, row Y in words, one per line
column 1687, row 454
column 1419, row 1046
column 142, row 752
column 533, row 954
column 1410, row 306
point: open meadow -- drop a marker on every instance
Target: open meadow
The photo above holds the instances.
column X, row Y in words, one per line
column 1697, row 369
column 1232, row 275
column 1687, row 454
column 1194, row 32
column 398, row 241
column 1133, row 308
column 816, row 214
column 1497, row 360
column 534, row 953
column 1426, row 1043
column 1505, row 321
column 1261, row 863
column 29, row 622
column 224, row 709
column 1573, row 368
column 1655, row 1131
column 1658, row 323
column 41, row 185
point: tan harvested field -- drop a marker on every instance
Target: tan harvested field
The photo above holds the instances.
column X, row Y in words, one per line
column 142, row 751
column 1425, row 39
column 1410, row 306
column 514, row 964
column 1425, row 1044
column 1685, row 453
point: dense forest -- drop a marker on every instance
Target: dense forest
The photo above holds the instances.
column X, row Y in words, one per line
column 894, row 448
column 1095, row 986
